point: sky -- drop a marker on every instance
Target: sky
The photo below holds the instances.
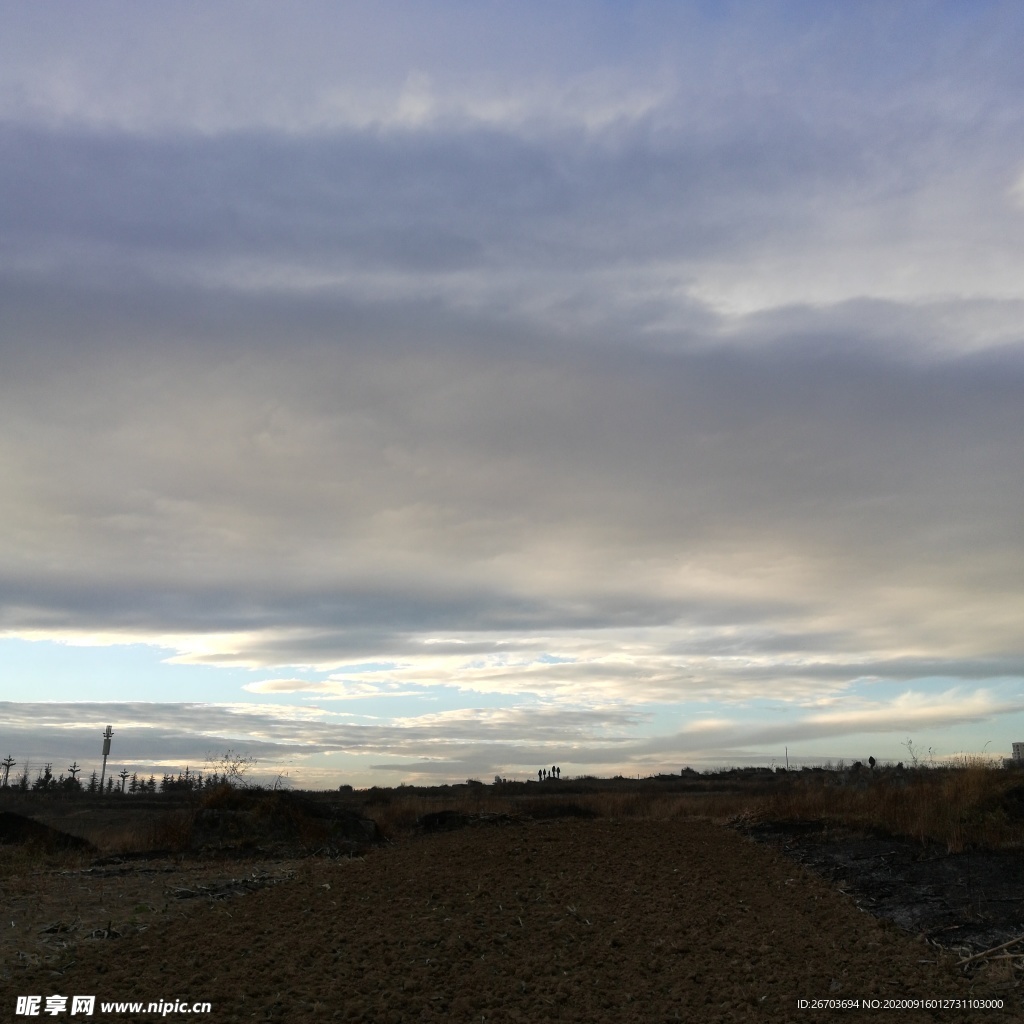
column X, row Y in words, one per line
column 410, row 392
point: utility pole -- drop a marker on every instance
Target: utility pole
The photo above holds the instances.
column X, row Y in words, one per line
column 107, row 733
column 7, row 764
column 74, row 770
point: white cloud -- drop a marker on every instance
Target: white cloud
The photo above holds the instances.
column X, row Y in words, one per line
column 609, row 738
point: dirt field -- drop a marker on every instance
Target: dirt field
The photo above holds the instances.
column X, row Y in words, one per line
column 562, row 920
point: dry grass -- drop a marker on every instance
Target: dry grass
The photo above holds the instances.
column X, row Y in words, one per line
column 28, row 859
column 397, row 811
column 965, row 804
column 960, row 805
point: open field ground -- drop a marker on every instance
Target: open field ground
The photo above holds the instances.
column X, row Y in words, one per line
column 617, row 901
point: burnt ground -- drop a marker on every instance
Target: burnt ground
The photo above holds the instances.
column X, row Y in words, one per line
column 969, row 901
column 562, row 920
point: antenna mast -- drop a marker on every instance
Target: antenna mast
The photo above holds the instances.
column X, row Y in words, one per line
column 107, row 733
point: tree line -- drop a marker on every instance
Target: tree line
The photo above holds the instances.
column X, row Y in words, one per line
column 122, row 783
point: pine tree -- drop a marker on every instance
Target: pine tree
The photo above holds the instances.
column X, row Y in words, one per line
column 44, row 779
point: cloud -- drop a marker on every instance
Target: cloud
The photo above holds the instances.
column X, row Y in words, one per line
column 177, row 734
column 658, row 524
column 477, row 741
column 330, row 689
column 327, row 337
column 912, row 711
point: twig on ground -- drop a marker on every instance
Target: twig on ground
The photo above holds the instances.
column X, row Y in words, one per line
column 994, row 949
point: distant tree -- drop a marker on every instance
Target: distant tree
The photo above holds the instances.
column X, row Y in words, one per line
column 110, row 785
column 232, row 767
column 186, row 781
column 44, row 780
column 7, row 764
column 23, row 780
column 540, row 774
column 151, row 784
column 94, row 783
column 558, row 773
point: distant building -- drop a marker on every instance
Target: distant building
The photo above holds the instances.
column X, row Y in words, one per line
column 1017, row 761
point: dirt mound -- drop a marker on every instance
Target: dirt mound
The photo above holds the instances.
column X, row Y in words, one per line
column 286, row 823
column 442, row 821
column 448, row 820
column 544, row 810
column 16, row 829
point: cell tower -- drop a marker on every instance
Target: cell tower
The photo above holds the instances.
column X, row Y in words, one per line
column 107, row 733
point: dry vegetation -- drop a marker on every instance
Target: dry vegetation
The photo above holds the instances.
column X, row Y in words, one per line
column 966, row 804
column 969, row 804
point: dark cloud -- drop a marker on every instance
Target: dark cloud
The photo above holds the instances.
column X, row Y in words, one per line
column 344, row 496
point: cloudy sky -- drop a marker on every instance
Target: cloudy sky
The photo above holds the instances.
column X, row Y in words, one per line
column 406, row 392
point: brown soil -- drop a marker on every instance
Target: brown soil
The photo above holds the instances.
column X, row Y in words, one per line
column 562, row 920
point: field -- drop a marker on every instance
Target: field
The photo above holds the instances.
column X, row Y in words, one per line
column 695, row 898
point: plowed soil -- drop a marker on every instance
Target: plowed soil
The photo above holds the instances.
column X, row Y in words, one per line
column 597, row 921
